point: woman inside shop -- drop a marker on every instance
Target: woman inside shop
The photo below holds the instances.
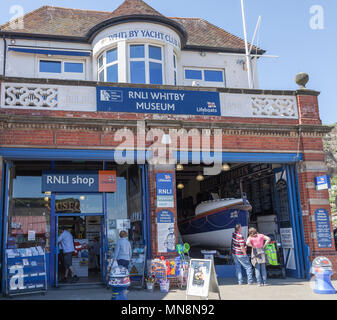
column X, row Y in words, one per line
column 123, row 251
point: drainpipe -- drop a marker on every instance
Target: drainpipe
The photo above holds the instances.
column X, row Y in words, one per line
column 5, row 56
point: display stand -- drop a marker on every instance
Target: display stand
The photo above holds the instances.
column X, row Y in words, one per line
column 25, row 271
column 137, row 266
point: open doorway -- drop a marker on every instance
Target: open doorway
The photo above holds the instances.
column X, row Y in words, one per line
column 86, row 260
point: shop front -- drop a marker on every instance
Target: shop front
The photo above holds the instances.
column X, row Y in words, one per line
column 94, row 200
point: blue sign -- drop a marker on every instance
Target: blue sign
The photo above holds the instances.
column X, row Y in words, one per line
column 165, row 216
column 322, row 182
column 96, row 181
column 139, row 100
column 165, row 190
column 323, row 230
column 26, row 270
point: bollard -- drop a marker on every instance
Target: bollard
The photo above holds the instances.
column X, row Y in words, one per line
column 322, row 269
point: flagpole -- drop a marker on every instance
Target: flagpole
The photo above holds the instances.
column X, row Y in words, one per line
column 250, row 82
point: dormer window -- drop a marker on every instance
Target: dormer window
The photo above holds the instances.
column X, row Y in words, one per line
column 146, row 64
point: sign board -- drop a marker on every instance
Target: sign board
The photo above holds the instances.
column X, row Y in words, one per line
column 141, row 100
column 322, row 182
column 323, row 230
column 287, row 238
column 165, row 190
column 202, row 279
column 166, row 239
column 25, row 270
column 95, row 181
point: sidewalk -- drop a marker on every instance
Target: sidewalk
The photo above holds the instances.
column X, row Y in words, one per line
column 279, row 289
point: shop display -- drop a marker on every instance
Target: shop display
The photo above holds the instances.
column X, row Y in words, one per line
column 81, row 257
column 25, row 271
column 137, row 265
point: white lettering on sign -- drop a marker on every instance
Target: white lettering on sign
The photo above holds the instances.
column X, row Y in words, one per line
column 65, row 180
column 16, row 281
column 143, row 33
column 80, row 180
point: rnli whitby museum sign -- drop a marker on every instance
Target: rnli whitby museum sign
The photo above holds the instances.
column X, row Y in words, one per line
column 96, row 181
column 138, row 100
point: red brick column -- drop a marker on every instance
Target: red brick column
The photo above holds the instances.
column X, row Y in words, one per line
column 153, row 170
column 307, row 101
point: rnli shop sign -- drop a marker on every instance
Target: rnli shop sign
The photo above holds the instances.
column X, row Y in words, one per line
column 97, row 181
column 165, row 195
column 139, row 100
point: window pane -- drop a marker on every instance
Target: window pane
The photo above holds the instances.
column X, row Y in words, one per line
column 73, row 67
column 50, row 66
column 155, row 52
column 137, row 69
column 175, row 78
column 156, row 74
column 111, row 56
column 112, row 73
column 78, row 203
column 215, row 76
column 100, row 61
column 174, row 61
column 137, row 51
column 193, row 74
column 101, row 76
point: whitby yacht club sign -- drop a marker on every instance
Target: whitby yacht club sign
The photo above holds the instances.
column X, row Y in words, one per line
column 139, row 34
column 140, row 100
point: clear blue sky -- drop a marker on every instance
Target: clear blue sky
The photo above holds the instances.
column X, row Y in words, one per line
column 285, row 31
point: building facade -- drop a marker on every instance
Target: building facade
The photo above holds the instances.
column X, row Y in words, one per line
column 132, row 93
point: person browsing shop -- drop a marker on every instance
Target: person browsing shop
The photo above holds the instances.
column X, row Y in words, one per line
column 66, row 242
column 123, row 252
column 258, row 257
column 239, row 253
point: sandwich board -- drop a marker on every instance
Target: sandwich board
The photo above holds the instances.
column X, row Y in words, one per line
column 202, row 279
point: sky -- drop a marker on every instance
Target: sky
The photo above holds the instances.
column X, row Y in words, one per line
column 304, row 40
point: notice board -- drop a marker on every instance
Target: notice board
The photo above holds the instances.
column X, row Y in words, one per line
column 202, row 279
column 323, row 230
column 25, row 271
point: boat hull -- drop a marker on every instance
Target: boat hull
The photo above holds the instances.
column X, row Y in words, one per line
column 214, row 230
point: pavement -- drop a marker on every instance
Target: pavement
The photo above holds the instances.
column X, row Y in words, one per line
column 278, row 289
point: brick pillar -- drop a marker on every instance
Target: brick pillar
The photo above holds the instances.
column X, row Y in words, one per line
column 311, row 200
column 307, row 101
column 153, row 170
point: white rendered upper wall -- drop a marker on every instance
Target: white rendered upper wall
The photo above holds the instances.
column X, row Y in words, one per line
column 121, row 36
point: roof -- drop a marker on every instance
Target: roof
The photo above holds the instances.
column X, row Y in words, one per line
column 68, row 24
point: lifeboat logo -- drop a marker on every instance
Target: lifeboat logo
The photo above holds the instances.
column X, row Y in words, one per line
column 107, row 181
column 211, row 105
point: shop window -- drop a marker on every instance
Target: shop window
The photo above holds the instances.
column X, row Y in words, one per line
column 79, row 203
column 146, row 64
column 29, row 208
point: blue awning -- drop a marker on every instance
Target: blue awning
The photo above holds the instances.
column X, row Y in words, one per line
column 51, row 51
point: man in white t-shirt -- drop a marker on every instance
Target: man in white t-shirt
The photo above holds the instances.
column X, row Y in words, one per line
column 66, row 242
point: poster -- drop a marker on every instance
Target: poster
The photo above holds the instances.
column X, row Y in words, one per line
column 31, row 235
column 202, row 279
column 287, row 238
column 323, row 230
column 165, row 190
column 165, row 231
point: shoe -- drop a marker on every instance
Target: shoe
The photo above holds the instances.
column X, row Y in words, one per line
column 74, row 279
column 265, row 284
column 250, row 283
column 240, row 283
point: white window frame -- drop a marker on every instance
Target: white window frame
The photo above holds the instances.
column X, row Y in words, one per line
column 203, row 82
column 147, row 60
column 62, row 74
column 105, row 65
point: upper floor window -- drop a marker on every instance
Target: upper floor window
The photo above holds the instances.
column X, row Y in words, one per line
column 108, row 66
column 205, row 76
column 69, row 69
column 146, row 64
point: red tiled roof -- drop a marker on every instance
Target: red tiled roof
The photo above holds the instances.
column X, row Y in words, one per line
column 66, row 22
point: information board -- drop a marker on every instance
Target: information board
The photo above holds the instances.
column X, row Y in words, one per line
column 165, row 232
column 26, row 270
column 202, row 279
column 323, row 230
column 287, row 238
column 165, row 190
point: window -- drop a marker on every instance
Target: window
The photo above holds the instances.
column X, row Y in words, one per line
column 108, row 66
column 50, row 66
column 175, row 69
column 146, row 64
column 210, row 77
column 74, row 67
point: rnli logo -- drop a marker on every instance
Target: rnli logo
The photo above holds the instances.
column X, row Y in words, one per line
column 111, row 95
column 211, row 105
